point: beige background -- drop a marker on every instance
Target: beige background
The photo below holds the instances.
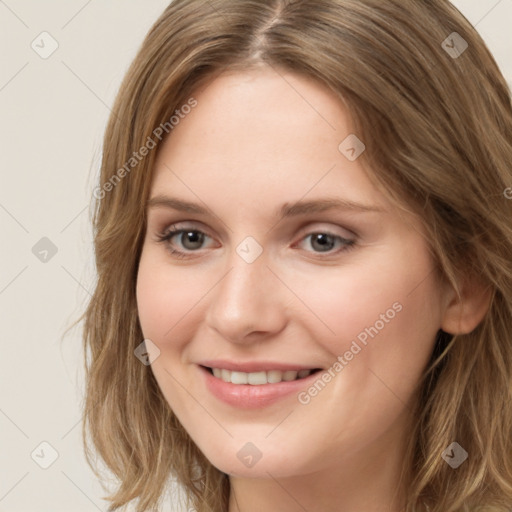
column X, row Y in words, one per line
column 53, row 113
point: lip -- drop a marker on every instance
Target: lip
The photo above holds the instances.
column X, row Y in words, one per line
column 254, row 366
column 248, row 396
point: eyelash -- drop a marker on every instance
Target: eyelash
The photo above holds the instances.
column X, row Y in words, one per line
column 170, row 233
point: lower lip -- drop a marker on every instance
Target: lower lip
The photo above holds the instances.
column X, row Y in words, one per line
column 249, row 396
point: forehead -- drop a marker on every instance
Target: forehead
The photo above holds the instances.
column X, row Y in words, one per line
column 267, row 112
column 265, row 136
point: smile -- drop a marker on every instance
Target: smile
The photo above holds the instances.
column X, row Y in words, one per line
column 261, row 377
column 256, row 389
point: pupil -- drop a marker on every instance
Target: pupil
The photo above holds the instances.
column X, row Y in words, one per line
column 192, row 237
column 326, row 241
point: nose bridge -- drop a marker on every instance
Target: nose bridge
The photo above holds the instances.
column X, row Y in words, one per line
column 245, row 299
column 245, row 286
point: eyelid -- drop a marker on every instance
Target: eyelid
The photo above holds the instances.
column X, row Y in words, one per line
column 303, row 231
column 186, row 226
column 176, row 229
column 347, row 243
column 321, row 227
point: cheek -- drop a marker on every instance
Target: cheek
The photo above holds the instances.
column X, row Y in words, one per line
column 389, row 309
column 164, row 298
column 165, row 307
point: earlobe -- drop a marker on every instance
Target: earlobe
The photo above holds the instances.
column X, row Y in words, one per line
column 463, row 314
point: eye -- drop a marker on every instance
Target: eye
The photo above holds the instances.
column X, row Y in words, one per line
column 190, row 240
column 323, row 242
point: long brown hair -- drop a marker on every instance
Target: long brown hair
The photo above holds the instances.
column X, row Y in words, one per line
column 436, row 118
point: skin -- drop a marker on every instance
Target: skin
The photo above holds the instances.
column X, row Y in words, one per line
column 255, row 141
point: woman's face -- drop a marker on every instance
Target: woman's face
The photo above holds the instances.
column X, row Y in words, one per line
column 269, row 277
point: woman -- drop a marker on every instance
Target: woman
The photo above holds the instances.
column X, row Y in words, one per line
column 303, row 240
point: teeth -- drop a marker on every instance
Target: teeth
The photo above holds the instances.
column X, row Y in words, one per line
column 255, row 378
column 290, row 375
column 274, row 376
column 239, row 377
column 259, row 378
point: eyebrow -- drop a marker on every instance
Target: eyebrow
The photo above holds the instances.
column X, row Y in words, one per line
column 287, row 209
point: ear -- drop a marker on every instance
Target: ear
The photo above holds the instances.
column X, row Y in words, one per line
column 463, row 314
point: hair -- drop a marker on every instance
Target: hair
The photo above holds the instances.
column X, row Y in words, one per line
column 437, row 131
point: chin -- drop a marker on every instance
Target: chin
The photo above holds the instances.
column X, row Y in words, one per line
column 257, row 460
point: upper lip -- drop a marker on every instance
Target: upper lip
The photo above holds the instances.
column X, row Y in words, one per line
column 254, row 366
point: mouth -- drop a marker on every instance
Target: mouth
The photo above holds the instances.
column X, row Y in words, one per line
column 260, row 378
column 261, row 385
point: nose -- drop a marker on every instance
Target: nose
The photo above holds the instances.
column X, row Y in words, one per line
column 247, row 304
